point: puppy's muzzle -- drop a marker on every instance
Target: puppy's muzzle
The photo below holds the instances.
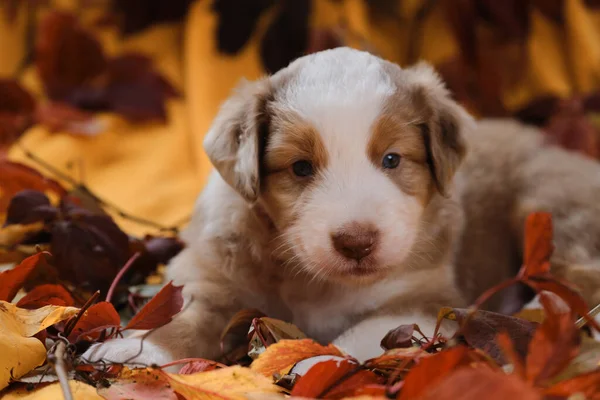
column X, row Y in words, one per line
column 355, row 241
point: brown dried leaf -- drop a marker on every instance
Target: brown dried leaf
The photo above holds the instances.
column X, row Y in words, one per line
column 16, row 109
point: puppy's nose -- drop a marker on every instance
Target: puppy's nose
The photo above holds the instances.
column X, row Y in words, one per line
column 355, row 241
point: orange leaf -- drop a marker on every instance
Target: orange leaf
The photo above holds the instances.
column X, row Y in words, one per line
column 508, row 349
column 138, row 384
column 281, row 356
column 479, row 383
column 159, row 310
column 95, row 319
column 555, row 343
column 538, row 244
column 45, row 295
column 432, row 369
column 587, row 384
column 13, row 279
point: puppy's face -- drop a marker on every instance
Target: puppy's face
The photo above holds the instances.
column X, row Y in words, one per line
column 344, row 151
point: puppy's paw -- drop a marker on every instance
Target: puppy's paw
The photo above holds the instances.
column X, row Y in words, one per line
column 129, row 351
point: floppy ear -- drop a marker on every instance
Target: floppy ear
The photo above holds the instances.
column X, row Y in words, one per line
column 235, row 140
column 444, row 124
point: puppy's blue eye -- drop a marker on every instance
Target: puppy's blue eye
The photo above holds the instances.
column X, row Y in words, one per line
column 390, row 161
column 302, row 168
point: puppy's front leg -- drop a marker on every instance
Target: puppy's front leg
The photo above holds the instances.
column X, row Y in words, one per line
column 194, row 332
column 362, row 341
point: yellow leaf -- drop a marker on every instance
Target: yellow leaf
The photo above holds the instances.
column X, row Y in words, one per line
column 80, row 391
column 20, row 351
column 231, row 383
column 281, row 356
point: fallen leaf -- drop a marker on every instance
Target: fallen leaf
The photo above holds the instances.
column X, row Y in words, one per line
column 555, row 343
column 587, row 384
column 586, row 361
column 399, row 359
column 229, row 383
column 15, row 177
column 505, row 343
column 20, row 351
column 159, row 310
column 266, row 331
column 12, row 281
column 97, row 318
column 80, row 391
column 476, row 384
column 282, row 356
column 430, row 370
column 45, row 295
column 480, row 329
column 538, row 244
column 199, row 365
column 29, row 206
column 235, row 333
column 138, row 15
column 399, row 337
column 334, row 379
column 88, row 249
column 144, row 383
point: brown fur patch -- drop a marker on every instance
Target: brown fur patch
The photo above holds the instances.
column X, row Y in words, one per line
column 292, row 139
column 391, row 135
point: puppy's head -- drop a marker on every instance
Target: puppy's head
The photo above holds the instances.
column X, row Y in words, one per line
column 345, row 152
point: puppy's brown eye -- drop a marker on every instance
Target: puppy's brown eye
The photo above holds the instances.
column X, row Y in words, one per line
column 302, row 168
column 390, row 161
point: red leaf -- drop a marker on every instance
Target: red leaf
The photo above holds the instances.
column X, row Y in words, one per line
column 555, row 343
column 15, row 177
column 98, row 317
column 361, row 383
column 67, row 56
column 565, row 291
column 477, row 384
column 323, row 376
column 159, row 310
column 14, row 279
column 399, row 337
column 586, row 384
column 45, row 295
column 29, row 206
column 538, row 244
column 432, row 369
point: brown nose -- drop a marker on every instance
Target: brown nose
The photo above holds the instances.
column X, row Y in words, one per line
column 355, row 241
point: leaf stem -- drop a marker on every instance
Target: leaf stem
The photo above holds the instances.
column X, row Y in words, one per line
column 122, row 272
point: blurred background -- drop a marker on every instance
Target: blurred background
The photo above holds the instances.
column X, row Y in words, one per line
column 115, row 97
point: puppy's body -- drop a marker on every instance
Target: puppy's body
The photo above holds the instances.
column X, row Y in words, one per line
column 358, row 244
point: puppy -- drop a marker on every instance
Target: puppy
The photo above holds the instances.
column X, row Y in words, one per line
column 352, row 196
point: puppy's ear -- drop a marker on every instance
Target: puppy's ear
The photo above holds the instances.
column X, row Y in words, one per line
column 235, row 140
column 444, row 122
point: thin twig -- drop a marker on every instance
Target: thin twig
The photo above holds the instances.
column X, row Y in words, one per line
column 72, row 322
column 84, row 189
column 58, row 362
column 122, row 272
column 581, row 322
